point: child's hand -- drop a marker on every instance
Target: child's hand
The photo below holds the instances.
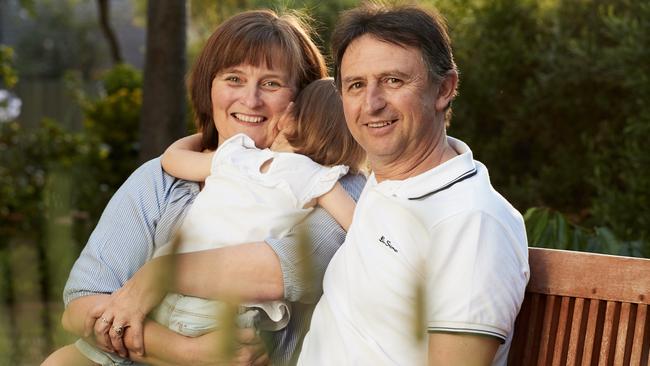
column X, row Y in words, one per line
column 286, row 120
column 284, row 125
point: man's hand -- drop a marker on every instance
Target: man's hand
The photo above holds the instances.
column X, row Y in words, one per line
column 211, row 349
column 206, row 350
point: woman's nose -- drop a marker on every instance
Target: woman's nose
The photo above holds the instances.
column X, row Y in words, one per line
column 252, row 97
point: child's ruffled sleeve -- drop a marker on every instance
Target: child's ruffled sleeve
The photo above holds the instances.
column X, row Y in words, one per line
column 322, row 181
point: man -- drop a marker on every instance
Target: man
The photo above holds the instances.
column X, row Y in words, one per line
column 432, row 245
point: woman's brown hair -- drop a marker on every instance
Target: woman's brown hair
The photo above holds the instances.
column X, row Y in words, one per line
column 258, row 37
column 320, row 131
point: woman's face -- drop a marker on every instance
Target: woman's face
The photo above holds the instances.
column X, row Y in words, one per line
column 250, row 99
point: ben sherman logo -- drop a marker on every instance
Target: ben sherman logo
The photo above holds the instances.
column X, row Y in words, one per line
column 387, row 243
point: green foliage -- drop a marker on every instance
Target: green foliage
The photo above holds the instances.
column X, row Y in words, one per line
column 112, row 128
column 553, row 99
column 206, row 15
column 7, row 73
column 620, row 154
column 550, row 229
column 55, row 31
column 99, row 159
column 27, row 157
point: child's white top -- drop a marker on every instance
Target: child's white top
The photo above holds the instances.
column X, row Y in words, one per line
column 240, row 204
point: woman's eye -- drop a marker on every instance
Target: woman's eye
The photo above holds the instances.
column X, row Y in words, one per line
column 233, row 79
column 272, row 85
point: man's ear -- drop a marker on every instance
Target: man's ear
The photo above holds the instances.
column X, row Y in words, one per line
column 447, row 90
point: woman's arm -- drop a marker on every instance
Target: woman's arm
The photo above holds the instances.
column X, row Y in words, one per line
column 248, row 272
column 184, row 159
column 338, row 203
column 253, row 272
column 163, row 346
column 270, row 270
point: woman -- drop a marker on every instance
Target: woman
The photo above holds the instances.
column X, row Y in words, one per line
column 272, row 57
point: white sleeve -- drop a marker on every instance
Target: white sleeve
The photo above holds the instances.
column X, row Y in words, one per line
column 321, row 179
column 476, row 276
column 228, row 148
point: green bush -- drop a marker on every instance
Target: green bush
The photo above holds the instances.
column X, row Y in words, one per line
column 8, row 76
column 557, row 108
column 550, row 229
column 27, row 157
column 111, row 127
column 97, row 160
column 621, row 153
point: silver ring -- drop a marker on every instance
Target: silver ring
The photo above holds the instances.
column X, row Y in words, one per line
column 118, row 331
column 104, row 320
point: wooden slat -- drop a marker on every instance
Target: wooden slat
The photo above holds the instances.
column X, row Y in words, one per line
column 545, row 348
column 606, row 343
column 621, row 337
column 563, row 323
column 523, row 326
column 574, row 336
column 590, row 335
column 576, row 274
column 637, row 352
column 558, row 326
column 532, row 344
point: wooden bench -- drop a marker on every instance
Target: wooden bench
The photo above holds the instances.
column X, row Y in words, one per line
column 583, row 309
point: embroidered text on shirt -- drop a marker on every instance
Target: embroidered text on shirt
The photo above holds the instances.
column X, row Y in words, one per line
column 387, row 243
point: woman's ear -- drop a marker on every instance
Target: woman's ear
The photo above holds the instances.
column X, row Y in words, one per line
column 447, row 90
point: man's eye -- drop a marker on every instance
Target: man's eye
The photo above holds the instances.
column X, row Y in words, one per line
column 356, row 85
column 393, row 81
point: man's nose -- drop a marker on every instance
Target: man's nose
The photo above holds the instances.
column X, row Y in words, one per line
column 375, row 99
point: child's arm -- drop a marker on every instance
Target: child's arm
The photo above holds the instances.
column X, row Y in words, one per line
column 68, row 355
column 183, row 159
column 339, row 204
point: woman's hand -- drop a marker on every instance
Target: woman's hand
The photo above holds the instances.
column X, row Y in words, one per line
column 125, row 309
column 80, row 316
column 128, row 307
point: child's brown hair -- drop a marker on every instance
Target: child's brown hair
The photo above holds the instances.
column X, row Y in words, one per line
column 320, row 131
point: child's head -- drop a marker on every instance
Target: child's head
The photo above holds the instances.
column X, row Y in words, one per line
column 320, row 131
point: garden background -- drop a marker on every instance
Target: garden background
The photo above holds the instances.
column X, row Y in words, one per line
column 553, row 99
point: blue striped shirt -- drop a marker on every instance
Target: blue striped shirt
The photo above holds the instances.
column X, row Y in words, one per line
column 149, row 207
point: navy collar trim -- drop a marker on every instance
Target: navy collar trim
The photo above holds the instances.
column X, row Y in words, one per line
column 466, row 175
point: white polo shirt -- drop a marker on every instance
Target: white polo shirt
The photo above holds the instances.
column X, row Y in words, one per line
column 447, row 231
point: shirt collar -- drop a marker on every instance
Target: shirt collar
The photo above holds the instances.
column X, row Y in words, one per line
column 435, row 180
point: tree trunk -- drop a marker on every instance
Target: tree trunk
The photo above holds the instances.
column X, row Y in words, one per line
column 163, row 93
column 105, row 25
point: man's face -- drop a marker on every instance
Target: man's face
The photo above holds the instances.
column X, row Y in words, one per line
column 389, row 102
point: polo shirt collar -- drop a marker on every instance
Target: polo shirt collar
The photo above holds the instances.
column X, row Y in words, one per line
column 435, row 180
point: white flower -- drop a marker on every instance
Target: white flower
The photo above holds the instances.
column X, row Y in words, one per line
column 9, row 106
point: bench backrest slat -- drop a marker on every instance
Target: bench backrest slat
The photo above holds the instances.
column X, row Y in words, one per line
column 641, row 318
column 583, row 309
